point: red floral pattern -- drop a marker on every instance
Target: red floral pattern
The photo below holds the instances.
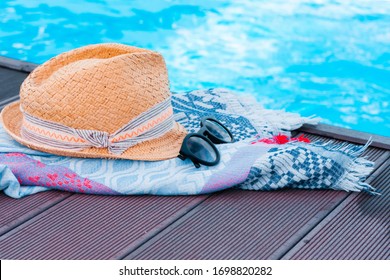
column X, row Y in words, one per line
column 30, row 172
column 281, row 139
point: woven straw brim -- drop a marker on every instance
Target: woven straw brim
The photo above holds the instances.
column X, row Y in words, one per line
column 165, row 147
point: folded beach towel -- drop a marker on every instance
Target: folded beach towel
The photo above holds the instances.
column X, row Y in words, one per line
column 252, row 163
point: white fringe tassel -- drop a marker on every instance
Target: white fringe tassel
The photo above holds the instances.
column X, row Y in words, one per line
column 356, row 170
column 266, row 122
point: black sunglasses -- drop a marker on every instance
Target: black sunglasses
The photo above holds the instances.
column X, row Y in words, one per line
column 199, row 147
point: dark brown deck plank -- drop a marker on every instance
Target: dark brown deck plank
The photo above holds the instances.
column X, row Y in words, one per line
column 15, row 64
column 359, row 228
column 238, row 225
column 14, row 212
column 246, row 224
column 348, row 135
column 10, row 81
column 93, row 227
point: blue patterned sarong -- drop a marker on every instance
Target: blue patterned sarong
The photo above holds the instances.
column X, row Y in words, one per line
column 243, row 165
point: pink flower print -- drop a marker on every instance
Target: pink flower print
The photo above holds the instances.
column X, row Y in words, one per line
column 87, row 183
column 40, row 164
column 34, row 179
column 52, row 177
column 70, row 175
column 15, row 155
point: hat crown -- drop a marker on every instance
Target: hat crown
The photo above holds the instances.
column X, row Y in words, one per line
column 98, row 87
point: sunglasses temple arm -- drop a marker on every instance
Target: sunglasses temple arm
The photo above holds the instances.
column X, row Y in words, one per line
column 181, row 157
column 197, row 165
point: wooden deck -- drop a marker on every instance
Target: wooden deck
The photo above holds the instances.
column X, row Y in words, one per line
column 234, row 224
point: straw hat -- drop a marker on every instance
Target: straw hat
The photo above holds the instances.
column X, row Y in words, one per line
column 98, row 101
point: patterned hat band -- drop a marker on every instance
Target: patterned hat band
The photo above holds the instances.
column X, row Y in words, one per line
column 149, row 125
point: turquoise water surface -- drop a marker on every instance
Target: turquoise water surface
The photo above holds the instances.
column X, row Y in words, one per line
column 325, row 57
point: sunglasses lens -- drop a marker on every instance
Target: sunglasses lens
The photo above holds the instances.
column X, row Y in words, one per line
column 218, row 131
column 201, row 149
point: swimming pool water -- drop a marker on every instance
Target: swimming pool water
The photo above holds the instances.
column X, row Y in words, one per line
column 325, row 57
